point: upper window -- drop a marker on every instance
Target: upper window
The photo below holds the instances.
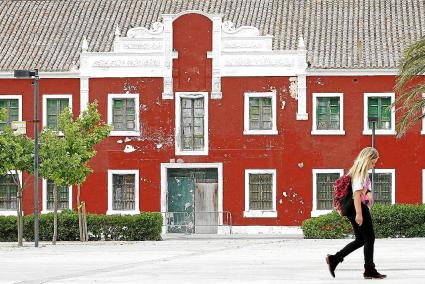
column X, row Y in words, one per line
column 323, row 180
column 191, row 124
column 123, row 192
column 376, row 108
column 123, row 114
column 383, row 188
column 13, row 106
column 260, row 193
column 8, row 191
column 260, row 114
column 328, row 110
column 53, row 106
column 64, row 196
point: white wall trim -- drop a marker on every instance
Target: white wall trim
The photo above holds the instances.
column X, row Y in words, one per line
column 111, row 97
column 271, row 230
column 12, row 212
column 14, row 97
column 423, row 186
column 44, row 209
column 351, row 72
column 340, row 131
column 248, row 213
column 249, row 95
column 178, row 129
column 393, row 180
column 136, row 192
column 314, row 211
column 423, row 118
column 44, row 106
column 164, row 184
column 366, row 129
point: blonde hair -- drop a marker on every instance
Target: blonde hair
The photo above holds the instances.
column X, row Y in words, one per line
column 362, row 162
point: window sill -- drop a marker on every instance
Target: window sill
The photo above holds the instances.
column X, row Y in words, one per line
column 423, row 132
column 51, row 211
column 124, row 133
column 260, row 214
column 260, row 132
column 380, row 132
column 327, row 132
column 8, row 213
column 316, row 213
column 191, row 153
column 122, row 212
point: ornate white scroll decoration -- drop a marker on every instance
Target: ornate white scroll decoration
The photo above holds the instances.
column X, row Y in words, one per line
column 229, row 28
column 142, row 32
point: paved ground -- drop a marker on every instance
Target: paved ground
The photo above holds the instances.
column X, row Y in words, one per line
column 245, row 259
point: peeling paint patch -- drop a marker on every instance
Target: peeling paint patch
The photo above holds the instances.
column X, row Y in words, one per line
column 282, row 105
column 293, row 91
column 129, row 149
column 301, row 165
column 159, row 146
column 285, row 194
column 119, row 141
column 280, row 201
column 127, row 139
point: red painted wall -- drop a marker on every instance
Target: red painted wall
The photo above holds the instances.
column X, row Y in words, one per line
column 294, row 152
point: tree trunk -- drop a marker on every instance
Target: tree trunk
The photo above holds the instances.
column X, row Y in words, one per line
column 55, row 214
column 80, row 217
column 20, row 221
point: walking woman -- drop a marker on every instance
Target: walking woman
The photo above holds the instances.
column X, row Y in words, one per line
column 360, row 217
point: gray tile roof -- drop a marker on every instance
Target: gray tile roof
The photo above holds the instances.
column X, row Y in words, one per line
column 338, row 33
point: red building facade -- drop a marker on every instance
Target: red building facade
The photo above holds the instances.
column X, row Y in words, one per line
column 213, row 128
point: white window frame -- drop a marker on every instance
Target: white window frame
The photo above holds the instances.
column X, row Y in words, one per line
column 388, row 171
column 315, row 212
column 111, row 98
column 11, row 212
column 14, row 97
column 136, row 192
column 44, row 209
column 248, row 213
column 340, row 131
column 366, row 129
column 423, row 119
column 178, row 129
column 247, row 130
column 44, row 106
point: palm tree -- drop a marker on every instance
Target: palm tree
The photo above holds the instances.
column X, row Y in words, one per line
column 410, row 103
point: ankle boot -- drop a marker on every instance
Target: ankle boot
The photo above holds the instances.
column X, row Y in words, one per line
column 371, row 273
column 333, row 261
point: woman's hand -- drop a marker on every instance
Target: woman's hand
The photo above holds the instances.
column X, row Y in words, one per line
column 359, row 219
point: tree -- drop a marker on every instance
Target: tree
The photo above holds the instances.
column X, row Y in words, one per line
column 3, row 114
column 410, row 103
column 64, row 159
column 16, row 154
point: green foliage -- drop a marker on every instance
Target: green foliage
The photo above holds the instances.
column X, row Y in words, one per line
column 390, row 221
column 3, row 114
column 141, row 227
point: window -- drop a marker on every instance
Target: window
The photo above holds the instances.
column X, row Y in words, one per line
column 191, row 124
column 260, row 193
column 323, row 180
column 64, row 197
column 423, row 118
column 123, row 114
column 260, row 114
column 376, row 108
column 53, row 106
column 328, row 110
column 123, row 192
column 13, row 105
column 8, row 191
column 383, row 186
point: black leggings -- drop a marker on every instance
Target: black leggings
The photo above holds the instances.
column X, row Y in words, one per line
column 365, row 235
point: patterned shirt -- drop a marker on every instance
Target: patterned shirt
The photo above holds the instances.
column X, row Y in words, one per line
column 357, row 184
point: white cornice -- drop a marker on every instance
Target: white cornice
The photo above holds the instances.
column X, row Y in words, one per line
column 64, row 74
column 351, row 72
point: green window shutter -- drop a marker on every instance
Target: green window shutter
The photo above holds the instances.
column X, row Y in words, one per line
column 54, row 108
column 192, row 124
column 124, row 114
column 327, row 113
column 378, row 108
column 382, row 188
column 260, row 113
column 260, row 191
column 324, row 182
column 8, row 191
column 12, row 108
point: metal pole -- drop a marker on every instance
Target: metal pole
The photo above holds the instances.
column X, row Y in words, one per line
column 373, row 146
column 36, row 223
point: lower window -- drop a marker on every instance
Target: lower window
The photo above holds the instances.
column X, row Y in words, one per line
column 123, row 192
column 260, row 193
column 8, row 191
